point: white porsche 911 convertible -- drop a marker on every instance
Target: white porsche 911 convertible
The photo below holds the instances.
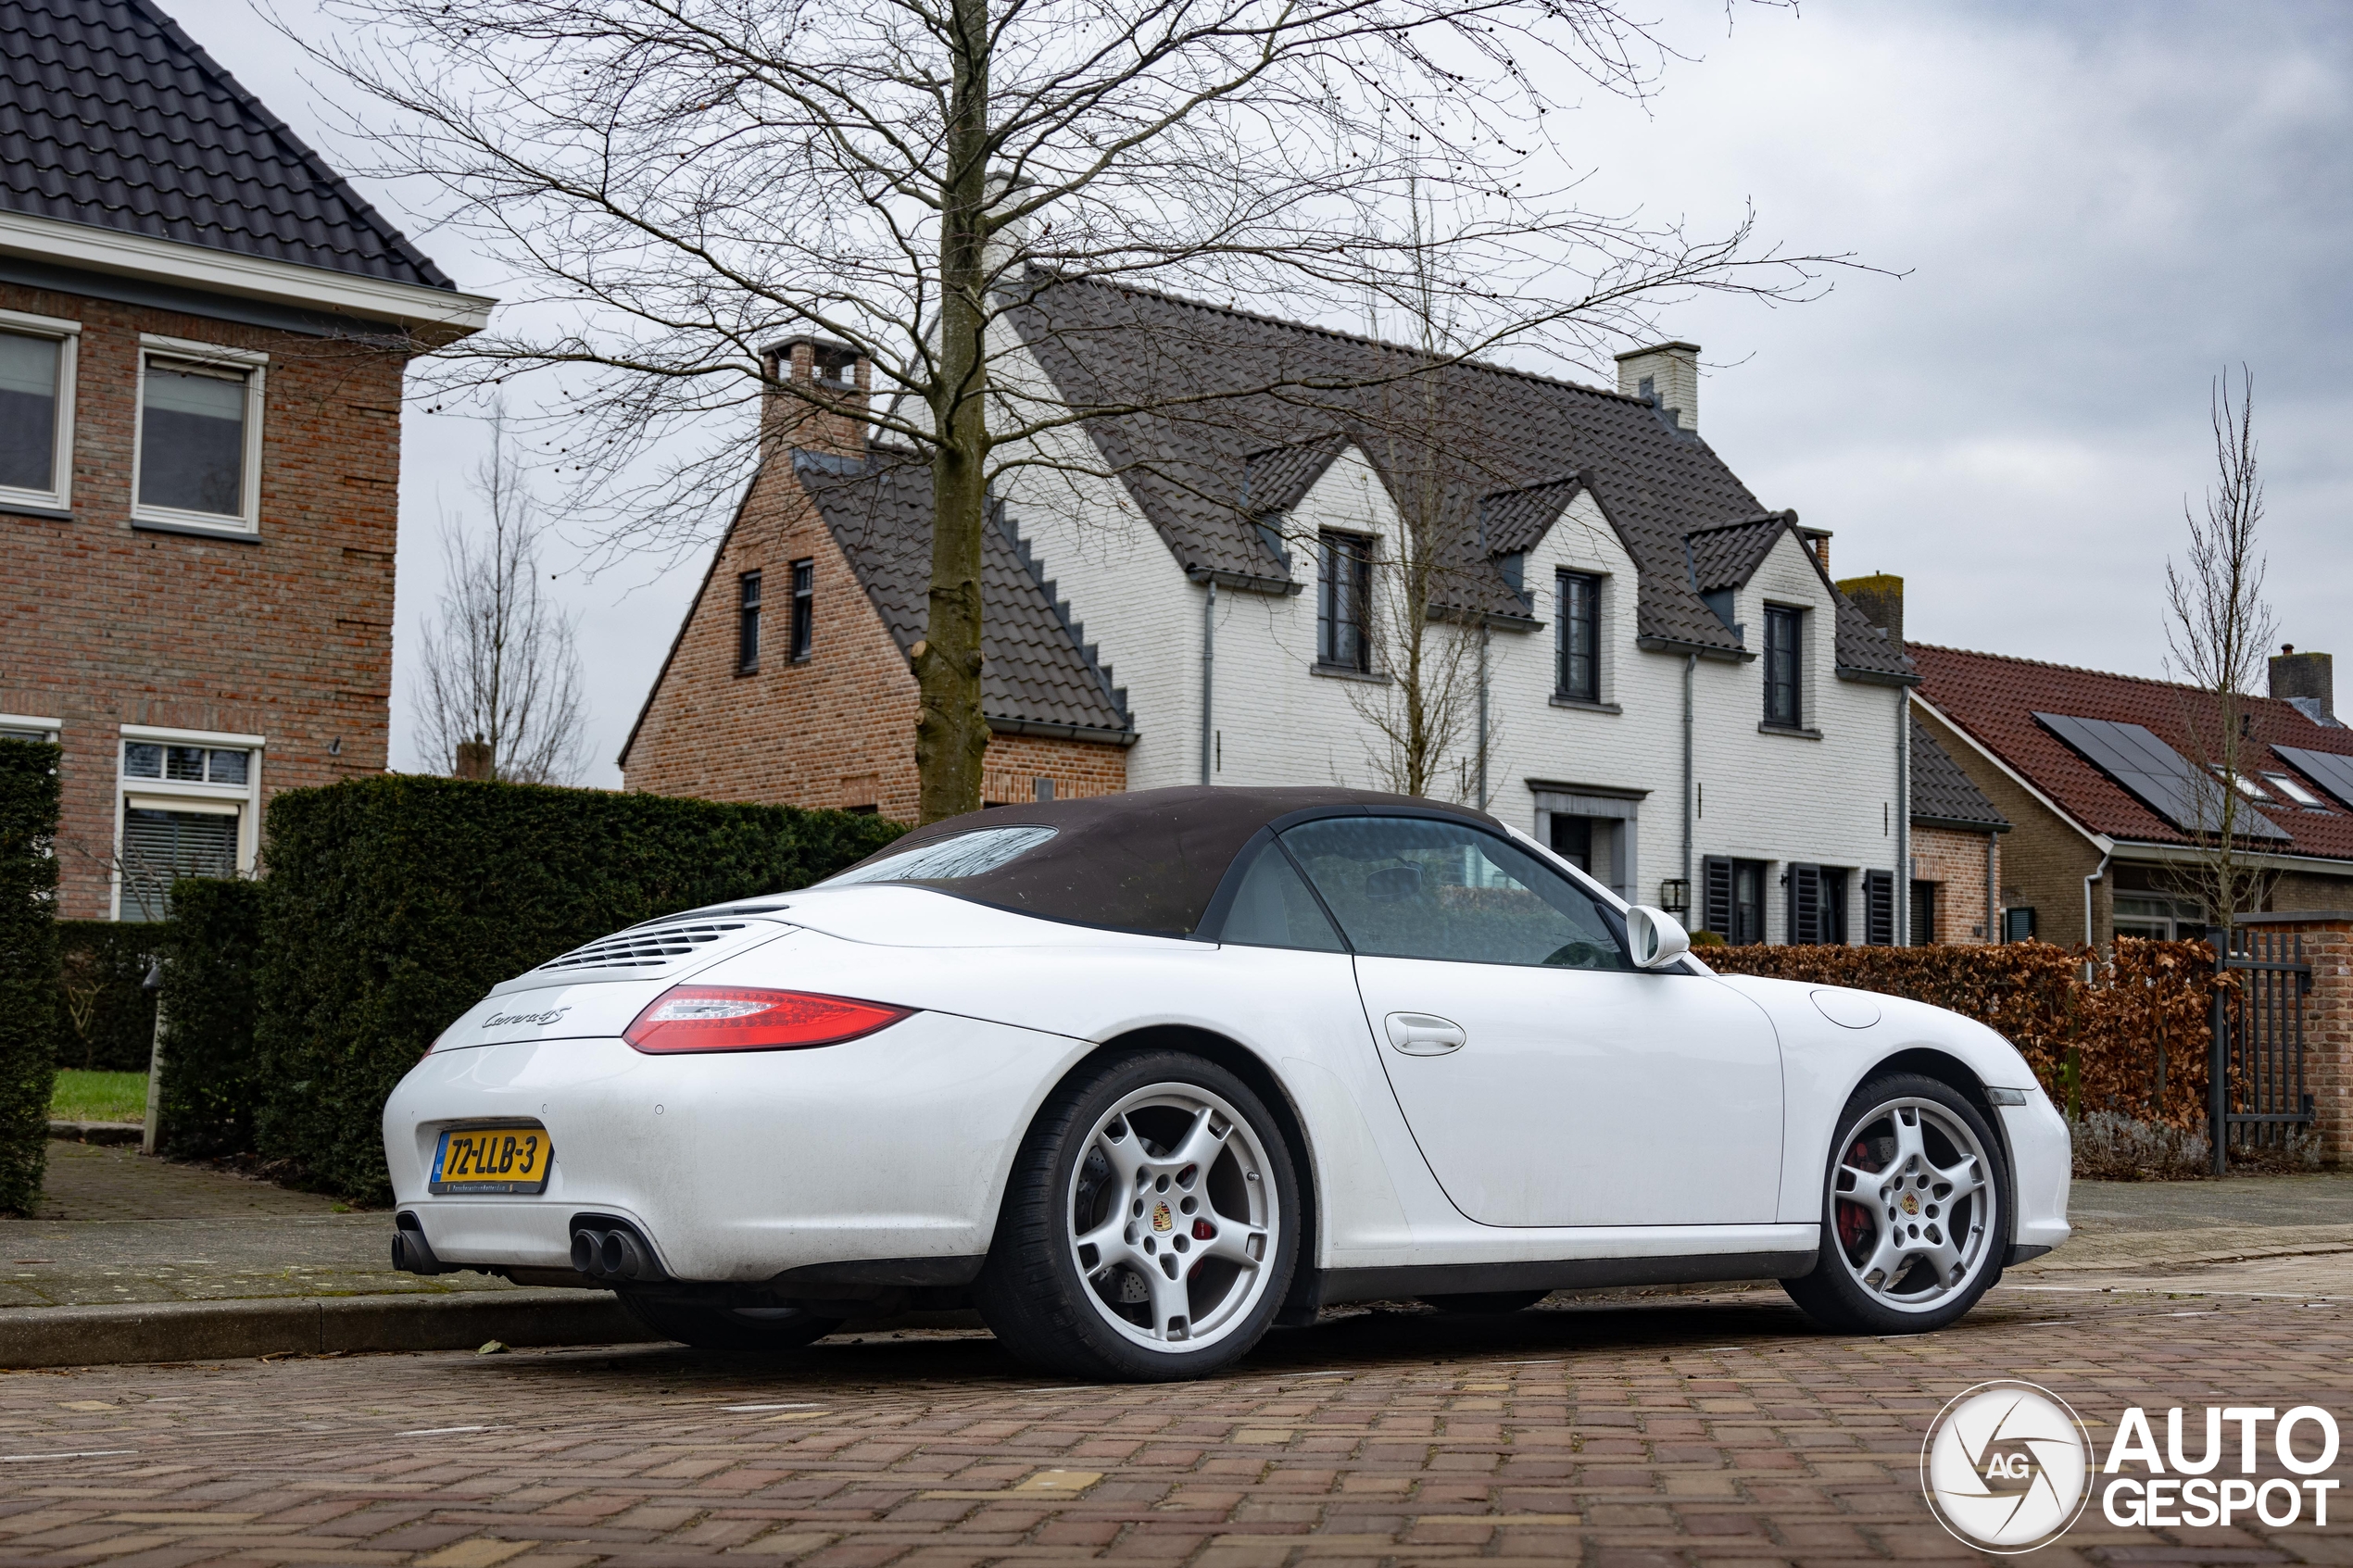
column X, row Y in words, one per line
column 1140, row 1076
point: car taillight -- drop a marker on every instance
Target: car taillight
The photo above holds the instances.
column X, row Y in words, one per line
column 738, row 1018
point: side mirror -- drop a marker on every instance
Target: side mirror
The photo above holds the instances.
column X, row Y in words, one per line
column 1655, row 937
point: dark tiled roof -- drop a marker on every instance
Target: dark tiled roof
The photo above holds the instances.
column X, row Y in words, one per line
column 111, row 116
column 1278, row 478
column 1725, row 556
column 1513, row 520
column 1994, row 699
column 1942, row 795
column 1035, row 669
column 1191, row 366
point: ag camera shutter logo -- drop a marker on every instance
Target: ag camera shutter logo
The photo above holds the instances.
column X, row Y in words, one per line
column 2007, row 1467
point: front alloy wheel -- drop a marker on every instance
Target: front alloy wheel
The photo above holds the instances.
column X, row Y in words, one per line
column 1147, row 1229
column 1914, row 1214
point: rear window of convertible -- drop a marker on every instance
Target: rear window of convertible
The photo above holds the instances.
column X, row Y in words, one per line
column 948, row 860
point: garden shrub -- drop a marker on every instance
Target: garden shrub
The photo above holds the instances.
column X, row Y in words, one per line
column 27, row 965
column 2134, row 1037
column 212, row 1078
column 391, row 904
column 105, row 1015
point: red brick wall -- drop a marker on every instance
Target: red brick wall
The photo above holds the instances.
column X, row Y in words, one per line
column 2328, row 1022
column 839, row 728
column 289, row 637
column 1955, row 860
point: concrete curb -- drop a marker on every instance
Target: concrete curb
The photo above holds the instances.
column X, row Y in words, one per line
column 97, row 1132
column 186, row 1331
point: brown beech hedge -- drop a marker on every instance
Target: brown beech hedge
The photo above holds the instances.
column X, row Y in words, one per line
column 2132, row 1039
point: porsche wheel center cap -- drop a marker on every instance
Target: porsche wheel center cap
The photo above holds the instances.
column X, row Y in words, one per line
column 1911, row 1203
column 1163, row 1221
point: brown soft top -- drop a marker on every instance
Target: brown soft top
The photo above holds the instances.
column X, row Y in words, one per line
column 1147, row 861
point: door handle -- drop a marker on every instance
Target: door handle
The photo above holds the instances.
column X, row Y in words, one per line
column 1425, row 1033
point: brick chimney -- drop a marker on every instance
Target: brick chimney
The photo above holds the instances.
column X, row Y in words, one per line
column 2306, row 679
column 1666, row 374
column 831, row 416
column 1880, row 598
column 474, row 761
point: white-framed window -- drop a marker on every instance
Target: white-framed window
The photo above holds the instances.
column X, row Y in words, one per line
column 196, row 461
column 27, row 726
column 37, row 355
column 188, row 803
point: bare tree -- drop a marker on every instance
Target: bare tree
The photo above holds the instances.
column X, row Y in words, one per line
column 682, row 182
column 2218, row 629
column 501, row 667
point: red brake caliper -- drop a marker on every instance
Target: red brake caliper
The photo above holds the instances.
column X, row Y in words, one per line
column 1853, row 1224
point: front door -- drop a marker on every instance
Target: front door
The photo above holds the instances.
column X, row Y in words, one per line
column 1547, row 1081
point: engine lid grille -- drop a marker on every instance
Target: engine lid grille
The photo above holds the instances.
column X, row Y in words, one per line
column 645, row 947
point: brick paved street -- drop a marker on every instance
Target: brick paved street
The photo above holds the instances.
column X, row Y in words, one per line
column 1687, row 1429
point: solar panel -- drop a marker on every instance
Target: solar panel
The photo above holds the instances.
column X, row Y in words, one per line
column 2159, row 776
column 2331, row 770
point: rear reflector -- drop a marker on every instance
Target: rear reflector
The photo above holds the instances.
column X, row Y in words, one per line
column 737, row 1018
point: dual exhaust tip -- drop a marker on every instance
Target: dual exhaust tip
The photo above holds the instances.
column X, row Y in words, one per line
column 612, row 1254
column 601, row 1250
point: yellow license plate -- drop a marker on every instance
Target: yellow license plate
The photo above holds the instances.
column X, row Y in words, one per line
column 492, row 1159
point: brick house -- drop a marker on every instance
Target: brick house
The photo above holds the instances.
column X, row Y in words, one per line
column 1680, row 697
column 203, row 331
column 790, row 678
column 2098, row 773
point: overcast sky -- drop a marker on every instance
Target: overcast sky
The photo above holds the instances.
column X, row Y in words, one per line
column 2093, row 208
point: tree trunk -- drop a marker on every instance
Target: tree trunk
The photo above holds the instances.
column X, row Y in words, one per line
column 951, row 736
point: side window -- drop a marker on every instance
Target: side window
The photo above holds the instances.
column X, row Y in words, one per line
column 804, row 608
column 748, row 623
column 199, row 437
column 1273, row 908
column 1411, row 887
column 36, row 411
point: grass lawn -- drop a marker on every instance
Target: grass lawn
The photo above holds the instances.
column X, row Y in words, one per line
column 99, row 1097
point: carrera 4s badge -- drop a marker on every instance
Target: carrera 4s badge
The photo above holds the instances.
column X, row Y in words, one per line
column 502, row 1020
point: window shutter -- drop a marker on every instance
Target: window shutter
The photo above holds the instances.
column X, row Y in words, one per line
column 1715, row 905
column 1878, row 908
column 1805, row 905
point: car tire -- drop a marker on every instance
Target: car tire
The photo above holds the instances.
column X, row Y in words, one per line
column 1901, row 1253
column 1487, row 1303
column 720, row 1328
column 1149, row 1227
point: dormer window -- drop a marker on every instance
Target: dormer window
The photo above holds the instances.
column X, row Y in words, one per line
column 1343, row 598
column 1578, row 637
column 1784, row 705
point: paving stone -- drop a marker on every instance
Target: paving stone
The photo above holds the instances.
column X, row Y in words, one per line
column 1691, row 1430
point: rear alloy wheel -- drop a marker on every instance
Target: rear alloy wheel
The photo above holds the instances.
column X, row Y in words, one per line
column 1149, row 1227
column 726, row 1328
column 1915, row 1211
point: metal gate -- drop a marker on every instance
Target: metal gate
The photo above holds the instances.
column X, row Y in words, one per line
column 2257, row 1091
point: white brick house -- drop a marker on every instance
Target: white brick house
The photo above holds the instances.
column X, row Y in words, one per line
column 1197, row 550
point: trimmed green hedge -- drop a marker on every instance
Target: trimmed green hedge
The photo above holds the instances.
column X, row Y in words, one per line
column 105, row 1016
column 393, row 903
column 27, row 965
column 211, row 1077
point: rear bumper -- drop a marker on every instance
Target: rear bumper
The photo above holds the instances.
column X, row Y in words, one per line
column 739, row 1166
